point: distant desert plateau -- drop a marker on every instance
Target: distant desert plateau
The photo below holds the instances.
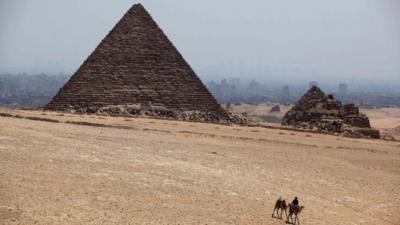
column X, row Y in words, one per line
column 59, row 168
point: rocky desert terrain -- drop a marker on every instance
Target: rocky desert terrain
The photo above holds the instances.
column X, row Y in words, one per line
column 59, row 168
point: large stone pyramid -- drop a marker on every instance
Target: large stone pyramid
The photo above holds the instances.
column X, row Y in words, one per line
column 318, row 111
column 137, row 70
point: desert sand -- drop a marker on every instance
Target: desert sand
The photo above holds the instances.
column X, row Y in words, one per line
column 385, row 119
column 111, row 170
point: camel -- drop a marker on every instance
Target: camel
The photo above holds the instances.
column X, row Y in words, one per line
column 280, row 205
column 294, row 211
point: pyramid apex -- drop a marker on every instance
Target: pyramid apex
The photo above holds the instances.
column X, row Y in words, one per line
column 315, row 88
column 315, row 91
column 137, row 5
column 310, row 98
column 138, row 10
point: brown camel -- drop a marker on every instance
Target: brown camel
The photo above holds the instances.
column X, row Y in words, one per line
column 280, row 205
column 293, row 210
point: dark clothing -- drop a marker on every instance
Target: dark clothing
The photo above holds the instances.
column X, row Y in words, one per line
column 295, row 202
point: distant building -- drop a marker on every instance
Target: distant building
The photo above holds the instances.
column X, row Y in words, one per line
column 223, row 91
column 2, row 89
column 212, row 87
column 285, row 94
column 342, row 89
column 234, row 81
column 253, row 87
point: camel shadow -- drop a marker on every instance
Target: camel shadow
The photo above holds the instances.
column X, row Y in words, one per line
column 278, row 218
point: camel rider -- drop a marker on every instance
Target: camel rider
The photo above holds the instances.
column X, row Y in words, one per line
column 295, row 202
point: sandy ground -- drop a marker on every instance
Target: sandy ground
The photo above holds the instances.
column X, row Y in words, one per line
column 387, row 120
column 383, row 118
column 146, row 171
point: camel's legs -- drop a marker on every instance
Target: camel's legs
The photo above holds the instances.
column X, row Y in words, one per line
column 273, row 212
column 296, row 219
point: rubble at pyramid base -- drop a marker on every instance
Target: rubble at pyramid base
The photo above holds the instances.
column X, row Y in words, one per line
column 338, row 127
column 148, row 110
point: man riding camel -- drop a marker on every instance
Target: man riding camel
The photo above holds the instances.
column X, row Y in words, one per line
column 294, row 210
column 295, row 202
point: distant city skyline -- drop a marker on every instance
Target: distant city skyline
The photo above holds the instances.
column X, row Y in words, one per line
column 285, row 41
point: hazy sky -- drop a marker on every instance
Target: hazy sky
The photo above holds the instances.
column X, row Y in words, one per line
column 314, row 39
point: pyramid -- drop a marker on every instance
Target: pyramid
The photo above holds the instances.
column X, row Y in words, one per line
column 321, row 112
column 310, row 98
column 136, row 68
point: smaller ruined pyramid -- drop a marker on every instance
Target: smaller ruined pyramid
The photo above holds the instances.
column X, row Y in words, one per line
column 318, row 111
column 137, row 70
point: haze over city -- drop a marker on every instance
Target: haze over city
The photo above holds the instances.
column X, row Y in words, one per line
column 284, row 41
